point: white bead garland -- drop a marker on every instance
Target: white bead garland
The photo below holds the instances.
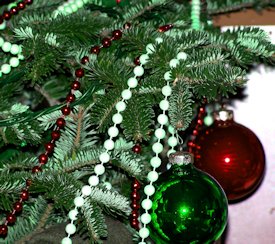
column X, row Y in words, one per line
column 69, row 7
column 14, row 49
column 157, row 148
column 109, row 145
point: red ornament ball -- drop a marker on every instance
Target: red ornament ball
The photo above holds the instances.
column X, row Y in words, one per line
column 106, row 42
column 76, row 85
column 79, row 73
column 66, row 110
column 60, row 122
column 117, row 34
column 95, row 50
column 56, row 135
column 232, row 154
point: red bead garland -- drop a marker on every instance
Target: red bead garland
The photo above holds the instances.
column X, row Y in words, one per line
column 6, row 15
column 60, row 122
column 135, row 197
column 191, row 145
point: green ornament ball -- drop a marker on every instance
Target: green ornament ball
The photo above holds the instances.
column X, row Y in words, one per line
column 189, row 206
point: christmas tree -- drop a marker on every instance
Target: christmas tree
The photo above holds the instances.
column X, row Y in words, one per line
column 87, row 89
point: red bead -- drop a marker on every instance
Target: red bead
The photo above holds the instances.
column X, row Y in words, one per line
column 137, row 61
column 190, row 144
column 28, row 2
column 136, row 148
column 195, row 132
column 70, row 98
column 135, row 196
column 127, row 26
column 6, row 15
column 24, row 195
column 165, row 28
column 202, row 110
column 79, row 73
column 28, row 182
column 117, row 34
column 11, row 218
column 76, row 85
column 95, row 50
column 18, row 206
column 199, row 121
column 36, row 169
column 14, row 10
column 136, row 184
column 43, row 159
column 60, row 122
column 49, row 147
column 134, row 214
column 135, row 205
column 66, row 110
column 134, row 223
column 85, row 60
column 106, row 42
column 3, row 230
column 55, row 135
column 21, row 5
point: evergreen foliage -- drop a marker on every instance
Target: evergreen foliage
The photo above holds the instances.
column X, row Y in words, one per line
column 33, row 93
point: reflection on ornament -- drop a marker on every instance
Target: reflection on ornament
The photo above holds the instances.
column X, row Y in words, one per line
column 189, row 206
column 232, row 154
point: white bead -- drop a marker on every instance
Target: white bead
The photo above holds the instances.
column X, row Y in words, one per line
column 104, row 157
column 5, row 68
column 166, row 91
column 145, row 218
column 182, row 55
column 99, row 169
column 171, row 151
column 73, row 214
column 79, row 4
column 159, row 40
column 121, row 106
column 112, row 132
column 146, row 204
column 74, row 7
column 142, row 242
column 3, row 26
column 14, row 62
column 138, row 71
column 108, row 185
column 208, row 120
column 164, row 105
column 144, row 58
column 172, row 141
column 1, row 41
column 168, row 75
column 79, row 201
column 144, row 232
column 126, row 94
column 160, row 133
column 86, row 190
column 173, row 63
column 15, row 49
column 153, row 176
column 150, row 48
column 93, row 180
column 149, row 190
column 171, row 129
column 157, row 147
column 132, row 82
column 155, row 162
column 70, row 229
column 117, row 118
column 66, row 240
column 6, row 46
column 109, row 144
column 163, row 119
column 168, row 166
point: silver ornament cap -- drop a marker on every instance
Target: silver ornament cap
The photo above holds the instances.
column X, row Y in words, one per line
column 181, row 158
column 223, row 115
